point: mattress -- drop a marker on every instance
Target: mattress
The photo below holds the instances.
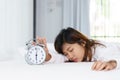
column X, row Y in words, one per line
column 17, row 69
column 20, row 70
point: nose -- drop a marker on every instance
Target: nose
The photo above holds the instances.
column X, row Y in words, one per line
column 70, row 56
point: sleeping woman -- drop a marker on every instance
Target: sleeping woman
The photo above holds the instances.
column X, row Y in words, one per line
column 73, row 46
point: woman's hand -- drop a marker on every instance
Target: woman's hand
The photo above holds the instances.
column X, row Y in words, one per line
column 100, row 65
column 43, row 41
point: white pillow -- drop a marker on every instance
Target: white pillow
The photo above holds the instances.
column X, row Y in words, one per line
column 5, row 55
column 51, row 47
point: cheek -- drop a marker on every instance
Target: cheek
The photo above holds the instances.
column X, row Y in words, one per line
column 80, row 52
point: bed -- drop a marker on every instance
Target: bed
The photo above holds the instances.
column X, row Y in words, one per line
column 17, row 69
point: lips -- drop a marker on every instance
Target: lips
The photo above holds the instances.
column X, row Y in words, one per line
column 75, row 60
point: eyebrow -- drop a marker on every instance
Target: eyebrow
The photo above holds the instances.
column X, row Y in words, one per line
column 68, row 48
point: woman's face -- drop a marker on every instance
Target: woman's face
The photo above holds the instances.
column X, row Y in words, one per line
column 74, row 52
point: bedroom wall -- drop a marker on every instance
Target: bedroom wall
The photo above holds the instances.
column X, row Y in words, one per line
column 15, row 25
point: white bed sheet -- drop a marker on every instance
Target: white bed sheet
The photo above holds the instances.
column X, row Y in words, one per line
column 20, row 70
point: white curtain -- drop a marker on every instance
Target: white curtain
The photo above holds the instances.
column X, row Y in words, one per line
column 76, row 14
column 53, row 15
column 49, row 18
column 15, row 26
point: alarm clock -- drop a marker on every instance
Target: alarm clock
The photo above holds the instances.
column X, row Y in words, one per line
column 35, row 53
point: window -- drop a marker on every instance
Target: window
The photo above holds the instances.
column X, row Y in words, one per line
column 105, row 20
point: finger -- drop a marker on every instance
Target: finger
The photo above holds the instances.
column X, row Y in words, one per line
column 38, row 39
column 97, row 65
column 45, row 42
column 33, row 43
column 107, row 68
column 42, row 40
column 94, row 65
column 102, row 66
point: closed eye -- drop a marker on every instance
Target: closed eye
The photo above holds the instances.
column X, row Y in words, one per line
column 70, row 50
column 65, row 54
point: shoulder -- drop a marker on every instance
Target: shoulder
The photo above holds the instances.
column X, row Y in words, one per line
column 109, row 44
column 109, row 47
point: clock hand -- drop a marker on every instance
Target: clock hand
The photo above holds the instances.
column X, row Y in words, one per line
column 36, row 55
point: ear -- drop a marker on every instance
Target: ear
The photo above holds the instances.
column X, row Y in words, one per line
column 83, row 43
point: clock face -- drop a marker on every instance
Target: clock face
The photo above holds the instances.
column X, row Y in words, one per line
column 35, row 55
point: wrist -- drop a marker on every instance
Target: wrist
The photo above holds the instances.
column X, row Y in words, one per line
column 113, row 63
column 48, row 57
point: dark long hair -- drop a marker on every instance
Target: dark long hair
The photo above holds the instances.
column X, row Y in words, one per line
column 72, row 36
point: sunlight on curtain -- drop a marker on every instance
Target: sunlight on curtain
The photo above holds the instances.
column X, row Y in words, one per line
column 105, row 20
